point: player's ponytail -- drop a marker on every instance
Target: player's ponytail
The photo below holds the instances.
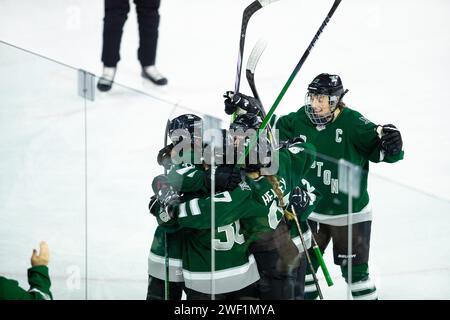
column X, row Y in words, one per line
column 273, row 180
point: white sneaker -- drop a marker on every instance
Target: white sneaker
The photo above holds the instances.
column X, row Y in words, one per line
column 152, row 74
column 106, row 80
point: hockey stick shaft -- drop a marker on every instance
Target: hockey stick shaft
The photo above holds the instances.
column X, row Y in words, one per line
column 323, row 266
column 319, row 258
column 300, row 64
column 166, row 247
column 308, row 258
column 292, row 76
column 248, row 12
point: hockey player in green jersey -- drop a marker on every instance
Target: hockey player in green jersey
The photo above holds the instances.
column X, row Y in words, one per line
column 189, row 178
column 156, row 260
column 264, row 223
column 277, row 246
column 339, row 132
column 38, row 279
column 234, row 271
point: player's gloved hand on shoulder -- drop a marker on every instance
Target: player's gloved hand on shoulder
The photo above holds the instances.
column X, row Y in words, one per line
column 291, row 142
column 164, row 156
column 233, row 101
column 227, row 178
column 300, row 201
column 167, row 197
column 391, row 140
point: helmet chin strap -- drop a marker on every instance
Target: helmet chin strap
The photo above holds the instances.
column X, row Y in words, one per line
column 333, row 114
column 342, row 96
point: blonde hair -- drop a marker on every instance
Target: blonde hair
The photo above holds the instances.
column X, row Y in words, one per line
column 341, row 105
column 273, row 180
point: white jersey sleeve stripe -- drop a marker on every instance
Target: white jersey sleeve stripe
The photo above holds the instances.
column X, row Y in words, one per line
column 195, row 209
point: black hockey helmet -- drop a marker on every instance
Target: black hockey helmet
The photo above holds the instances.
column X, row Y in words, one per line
column 241, row 125
column 190, row 122
column 326, row 84
column 246, row 121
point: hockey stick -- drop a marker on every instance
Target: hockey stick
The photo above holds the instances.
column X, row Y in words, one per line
column 248, row 12
column 292, row 76
column 300, row 64
column 319, row 257
column 252, row 61
column 308, row 258
column 166, row 248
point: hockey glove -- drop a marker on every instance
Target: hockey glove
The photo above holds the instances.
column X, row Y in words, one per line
column 291, row 142
column 164, row 156
column 152, row 206
column 391, row 140
column 227, row 178
column 230, row 108
column 242, row 101
column 300, row 201
column 166, row 196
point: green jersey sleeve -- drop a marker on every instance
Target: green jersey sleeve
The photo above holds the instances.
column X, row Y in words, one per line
column 187, row 178
column 366, row 140
column 229, row 207
column 296, row 161
column 284, row 126
column 39, row 281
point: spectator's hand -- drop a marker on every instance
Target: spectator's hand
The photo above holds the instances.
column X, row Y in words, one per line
column 42, row 258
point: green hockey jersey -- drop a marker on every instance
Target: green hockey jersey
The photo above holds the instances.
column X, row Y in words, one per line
column 156, row 258
column 184, row 177
column 255, row 207
column 39, row 281
column 293, row 164
column 351, row 137
column 234, row 267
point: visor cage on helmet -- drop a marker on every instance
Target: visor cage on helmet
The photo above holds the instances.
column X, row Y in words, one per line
column 315, row 109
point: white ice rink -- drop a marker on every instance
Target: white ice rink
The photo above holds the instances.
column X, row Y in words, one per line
column 77, row 174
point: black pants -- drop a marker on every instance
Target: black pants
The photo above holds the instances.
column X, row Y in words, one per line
column 156, row 289
column 323, row 233
column 300, row 280
column 276, row 282
column 116, row 12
